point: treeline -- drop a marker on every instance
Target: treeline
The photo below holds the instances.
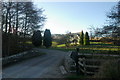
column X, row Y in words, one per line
column 19, row 21
column 21, row 18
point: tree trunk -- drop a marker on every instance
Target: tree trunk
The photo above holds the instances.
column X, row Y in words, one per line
column 16, row 18
column 6, row 20
column 2, row 23
column 25, row 25
column 9, row 23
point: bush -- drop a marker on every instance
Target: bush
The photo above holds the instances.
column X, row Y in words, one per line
column 37, row 38
column 47, row 42
column 9, row 44
column 14, row 44
column 86, row 39
column 81, row 38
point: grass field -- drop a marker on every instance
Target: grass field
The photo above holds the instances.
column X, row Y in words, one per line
column 94, row 47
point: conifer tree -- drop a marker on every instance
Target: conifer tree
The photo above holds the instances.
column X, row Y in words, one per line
column 47, row 41
column 37, row 38
column 86, row 39
column 81, row 38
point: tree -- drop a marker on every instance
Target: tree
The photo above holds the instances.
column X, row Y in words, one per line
column 67, row 38
column 21, row 17
column 95, row 32
column 86, row 39
column 37, row 38
column 114, row 15
column 75, row 41
column 112, row 29
column 81, row 38
column 47, row 39
column 33, row 18
column 114, row 22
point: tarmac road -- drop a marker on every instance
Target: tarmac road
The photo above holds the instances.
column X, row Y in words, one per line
column 45, row 66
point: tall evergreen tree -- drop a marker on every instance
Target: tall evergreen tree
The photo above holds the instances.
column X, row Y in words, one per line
column 86, row 39
column 81, row 38
column 37, row 38
column 47, row 41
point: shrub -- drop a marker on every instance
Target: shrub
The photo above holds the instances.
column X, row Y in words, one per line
column 37, row 38
column 86, row 39
column 14, row 44
column 47, row 41
column 81, row 38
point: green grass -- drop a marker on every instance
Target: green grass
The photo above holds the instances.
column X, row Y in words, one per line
column 94, row 47
column 62, row 45
column 28, row 42
column 54, row 44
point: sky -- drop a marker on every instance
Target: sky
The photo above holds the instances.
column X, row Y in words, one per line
column 74, row 16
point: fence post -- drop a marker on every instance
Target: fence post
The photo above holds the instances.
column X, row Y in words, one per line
column 76, row 60
column 84, row 65
column 77, row 68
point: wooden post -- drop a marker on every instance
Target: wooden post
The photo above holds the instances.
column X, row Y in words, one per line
column 77, row 69
column 84, row 65
column 77, row 65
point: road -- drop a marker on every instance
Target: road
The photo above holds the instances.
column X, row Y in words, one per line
column 45, row 66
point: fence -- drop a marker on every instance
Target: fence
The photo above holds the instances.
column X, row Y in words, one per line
column 89, row 64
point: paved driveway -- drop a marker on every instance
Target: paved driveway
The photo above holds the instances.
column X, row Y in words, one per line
column 45, row 66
